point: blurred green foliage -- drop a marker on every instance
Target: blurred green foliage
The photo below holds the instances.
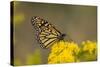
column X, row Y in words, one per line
column 31, row 59
column 19, row 18
column 17, row 62
column 34, row 58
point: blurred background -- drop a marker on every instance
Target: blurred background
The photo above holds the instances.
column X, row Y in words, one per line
column 77, row 21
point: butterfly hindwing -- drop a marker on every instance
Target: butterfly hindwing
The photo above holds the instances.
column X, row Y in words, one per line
column 46, row 39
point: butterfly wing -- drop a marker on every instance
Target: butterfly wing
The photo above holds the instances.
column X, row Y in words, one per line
column 46, row 33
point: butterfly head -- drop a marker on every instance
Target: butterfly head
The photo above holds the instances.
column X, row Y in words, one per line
column 61, row 37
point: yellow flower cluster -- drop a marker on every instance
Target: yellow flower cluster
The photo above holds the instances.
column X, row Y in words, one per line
column 88, row 51
column 62, row 52
column 65, row 52
column 89, row 46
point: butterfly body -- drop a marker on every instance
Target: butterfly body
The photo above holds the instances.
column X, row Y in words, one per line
column 46, row 33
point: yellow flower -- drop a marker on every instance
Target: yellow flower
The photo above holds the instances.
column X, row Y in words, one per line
column 73, row 47
column 88, row 51
column 89, row 46
column 62, row 52
column 66, row 56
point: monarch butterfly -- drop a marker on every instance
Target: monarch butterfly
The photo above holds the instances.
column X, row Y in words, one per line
column 46, row 33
